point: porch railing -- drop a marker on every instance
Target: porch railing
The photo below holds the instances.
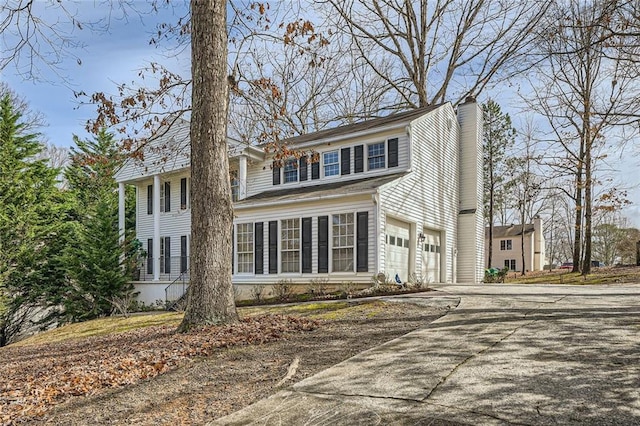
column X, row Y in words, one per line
column 171, row 268
column 175, row 294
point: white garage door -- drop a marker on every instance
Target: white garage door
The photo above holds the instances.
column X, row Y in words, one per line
column 397, row 253
column 431, row 256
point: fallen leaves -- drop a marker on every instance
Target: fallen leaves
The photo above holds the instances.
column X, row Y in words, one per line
column 34, row 378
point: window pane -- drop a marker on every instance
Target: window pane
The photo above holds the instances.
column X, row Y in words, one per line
column 343, row 239
column 376, row 156
column 331, row 166
column 290, row 245
column 244, row 247
column 291, row 171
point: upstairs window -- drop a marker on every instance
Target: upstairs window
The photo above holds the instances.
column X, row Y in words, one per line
column 376, row 156
column 290, row 171
column 331, row 165
column 165, row 197
column 184, row 194
column 506, row 245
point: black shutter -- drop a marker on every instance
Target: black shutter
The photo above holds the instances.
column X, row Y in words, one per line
column 315, row 170
column 167, row 255
column 393, row 152
column 183, row 193
column 167, row 196
column 150, row 256
column 363, row 242
column 276, row 175
column 306, row 245
column 358, row 154
column 323, row 244
column 149, row 199
column 183, row 254
column 345, row 161
column 302, row 164
column 258, row 248
column 273, row 247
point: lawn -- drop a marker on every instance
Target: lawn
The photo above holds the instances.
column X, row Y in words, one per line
column 603, row 275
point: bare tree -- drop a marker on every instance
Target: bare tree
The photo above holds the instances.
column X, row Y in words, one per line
column 584, row 88
column 428, row 52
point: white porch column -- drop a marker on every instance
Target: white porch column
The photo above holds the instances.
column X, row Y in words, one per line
column 242, row 190
column 121, row 206
column 156, row 228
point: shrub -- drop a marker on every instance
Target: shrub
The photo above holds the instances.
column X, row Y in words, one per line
column 318, row 286
column 282, row 290
column 256, row 293
column 418, row 281
column 347, row 288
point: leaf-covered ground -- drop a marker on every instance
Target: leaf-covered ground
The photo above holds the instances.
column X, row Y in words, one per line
column 152, row 376
column 36, row 377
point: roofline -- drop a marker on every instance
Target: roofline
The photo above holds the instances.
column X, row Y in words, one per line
column 402, row 122
column 257, row 203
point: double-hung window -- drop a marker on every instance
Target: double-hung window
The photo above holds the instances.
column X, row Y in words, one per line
column 331, row 163
column 510, row 263
column 376, row 156
column 506, row 244
column 244, row 247
column 290, row 171
column 290, row 245
column 342, row 242
column 165, row 197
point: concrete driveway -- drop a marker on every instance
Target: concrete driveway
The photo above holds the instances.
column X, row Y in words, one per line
column 507, row 354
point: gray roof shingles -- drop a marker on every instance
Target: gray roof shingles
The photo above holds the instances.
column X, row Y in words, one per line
column 341, row 187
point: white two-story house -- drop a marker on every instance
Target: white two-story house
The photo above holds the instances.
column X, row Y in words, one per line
column 401, row 195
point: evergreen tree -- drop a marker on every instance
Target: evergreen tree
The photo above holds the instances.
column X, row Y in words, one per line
column 32, row 226
column 498, row 136
column 98, row 269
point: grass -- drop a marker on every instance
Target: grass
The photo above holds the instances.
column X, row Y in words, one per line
column 104, row 326
column 605, row 275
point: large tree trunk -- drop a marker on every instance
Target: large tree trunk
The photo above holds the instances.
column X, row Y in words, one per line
column 210, row 299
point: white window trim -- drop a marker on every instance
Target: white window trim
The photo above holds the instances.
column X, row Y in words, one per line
column 337, row 163
column 355, row 245
column 285, row 171
column 237, row 251
column 281, row 245
column 384, row 155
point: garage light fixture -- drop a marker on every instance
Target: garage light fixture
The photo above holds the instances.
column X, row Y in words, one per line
column 421, row 238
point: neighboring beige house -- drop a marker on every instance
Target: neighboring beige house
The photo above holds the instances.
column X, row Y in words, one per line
column 400, row 194
column 507, row 245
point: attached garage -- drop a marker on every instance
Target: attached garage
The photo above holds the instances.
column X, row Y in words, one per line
column 397, row 249
column 431, row 256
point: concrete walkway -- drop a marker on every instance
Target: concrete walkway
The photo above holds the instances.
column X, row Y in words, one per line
column 523, row 355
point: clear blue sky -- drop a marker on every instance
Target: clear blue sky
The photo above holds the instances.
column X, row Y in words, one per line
column 115, row 56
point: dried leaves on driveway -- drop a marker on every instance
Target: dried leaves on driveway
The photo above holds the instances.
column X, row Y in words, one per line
column 35, row 378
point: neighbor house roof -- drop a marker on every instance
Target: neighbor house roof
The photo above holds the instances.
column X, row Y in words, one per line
column 513, row 230
column 337, row 188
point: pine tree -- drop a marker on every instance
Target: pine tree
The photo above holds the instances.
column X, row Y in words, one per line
column 98, row 268
column 32, row 227
column 498, row 135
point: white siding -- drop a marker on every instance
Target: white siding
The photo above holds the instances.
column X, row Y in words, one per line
column 260, row 177
column 168, row 153
column 471, row 223
column 312, row 209
column 428, row 196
